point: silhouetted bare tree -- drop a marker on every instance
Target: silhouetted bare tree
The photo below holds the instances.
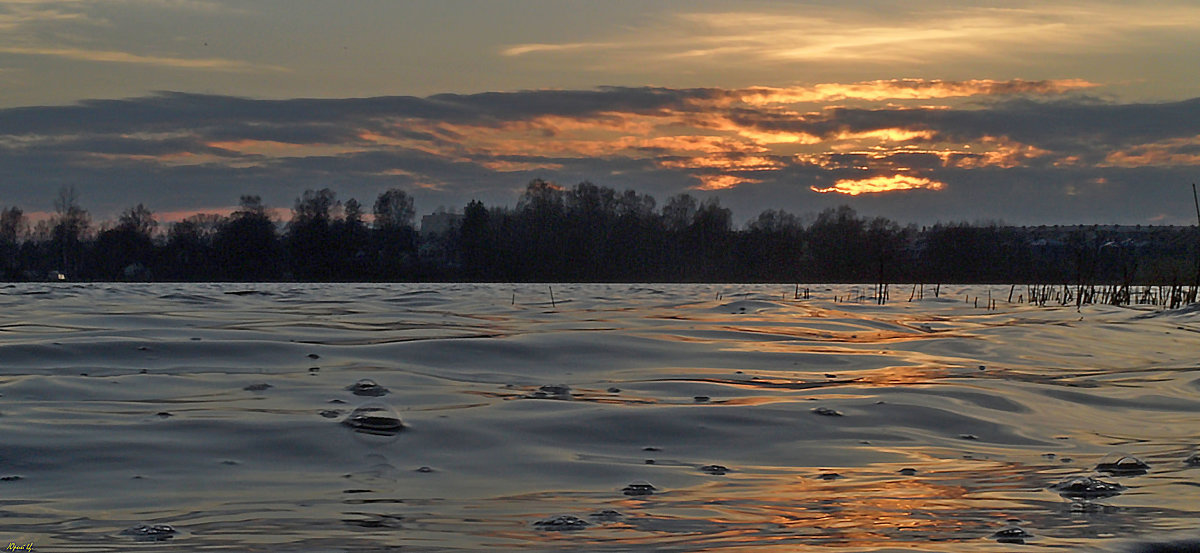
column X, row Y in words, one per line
column 12, row 228
column 395, row 240
column 71, row 224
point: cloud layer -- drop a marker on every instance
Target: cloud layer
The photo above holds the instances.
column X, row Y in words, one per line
column 882, row 34
column 912, row 149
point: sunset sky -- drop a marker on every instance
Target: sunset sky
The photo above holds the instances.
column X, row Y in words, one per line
column 1032, row 113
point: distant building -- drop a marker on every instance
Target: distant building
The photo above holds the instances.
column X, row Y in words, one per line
column 440, row 223
column 437, row 238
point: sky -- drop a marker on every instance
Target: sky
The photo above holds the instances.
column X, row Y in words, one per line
column 923, row 112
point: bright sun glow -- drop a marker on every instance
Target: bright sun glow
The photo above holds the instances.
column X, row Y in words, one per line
column 873, row 185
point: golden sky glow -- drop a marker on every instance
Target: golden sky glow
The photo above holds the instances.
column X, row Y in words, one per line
column 774, row 105
column 212, row 64
column 721, row 140
column 721, row 145
column 875, row 185
column 925, row 34
column 905, row 89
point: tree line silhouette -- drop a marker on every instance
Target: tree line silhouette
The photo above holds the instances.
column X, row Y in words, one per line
column 581, row 233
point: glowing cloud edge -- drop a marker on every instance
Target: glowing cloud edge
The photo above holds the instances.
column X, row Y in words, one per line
column 880, row 184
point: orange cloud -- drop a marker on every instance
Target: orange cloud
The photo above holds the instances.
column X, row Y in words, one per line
column 523, row 49
column 1174, row 152
column 723, row 161
column 1002, row 152
column 250, row 146
column 892, row 135
column 603, row 121
column 487, row 143
column 722, row 122
column 706, row 134
column 521, row 146
column 692, row 143
column 722, row 182
column 513, row 166
column 172, row 159
column 776, row 137
column 904, row 89
column 874, row 185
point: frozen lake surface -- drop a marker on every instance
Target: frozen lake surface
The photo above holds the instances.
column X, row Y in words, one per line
column 464, row 417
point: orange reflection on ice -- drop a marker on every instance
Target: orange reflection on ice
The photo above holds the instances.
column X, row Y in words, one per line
column 874, row 185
